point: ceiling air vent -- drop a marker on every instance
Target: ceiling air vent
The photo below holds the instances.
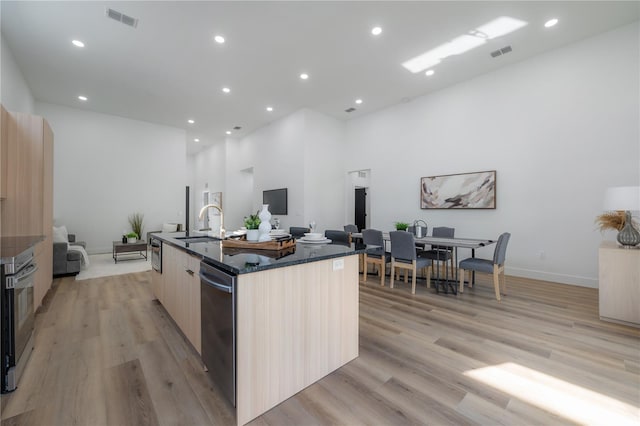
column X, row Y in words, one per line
column 502, row 51
column 121, row 17
column 237, row 128
column 350, row 109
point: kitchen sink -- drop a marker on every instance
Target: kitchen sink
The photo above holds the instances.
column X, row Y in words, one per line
column 198, row 239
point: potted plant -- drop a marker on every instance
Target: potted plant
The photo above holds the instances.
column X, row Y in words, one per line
column 132, row 237
column 135, row 220
column 252, row 223
column 401, row 226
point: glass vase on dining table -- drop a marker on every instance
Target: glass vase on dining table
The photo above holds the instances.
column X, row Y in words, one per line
column 312, row 226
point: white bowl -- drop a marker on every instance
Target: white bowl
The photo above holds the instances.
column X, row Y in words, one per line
column 313, row 236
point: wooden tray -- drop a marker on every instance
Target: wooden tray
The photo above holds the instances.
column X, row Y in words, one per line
column 265, row 245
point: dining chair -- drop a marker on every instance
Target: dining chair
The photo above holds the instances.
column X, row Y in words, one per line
column 298, row 231
column 338, row 237
column 380, row 258
column 441, row 253
column 350, row 228
column 494, row 266
column 403, row 256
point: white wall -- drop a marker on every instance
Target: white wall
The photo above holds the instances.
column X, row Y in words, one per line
column 301, row 152
column 15, row 94
column 324, row 171
column 559, row 129
column 107, row 167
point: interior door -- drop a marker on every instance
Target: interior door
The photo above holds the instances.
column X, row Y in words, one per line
column 361, row 208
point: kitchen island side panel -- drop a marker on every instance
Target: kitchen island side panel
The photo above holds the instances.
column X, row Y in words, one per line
column 295, row 325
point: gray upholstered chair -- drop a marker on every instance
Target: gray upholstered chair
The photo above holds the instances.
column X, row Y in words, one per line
column 350, row 228
column 403, row 256
column 373, row 237
column 66, row 262
column 298, row 231
column 440, row 253
column 338, row 237
column 494, row 266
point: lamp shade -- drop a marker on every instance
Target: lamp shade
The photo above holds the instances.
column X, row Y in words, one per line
column 622, row 198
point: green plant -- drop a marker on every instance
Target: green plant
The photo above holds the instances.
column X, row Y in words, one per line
column 135, row 220
column 132, row 235
column 401, row 226
column 252, row 222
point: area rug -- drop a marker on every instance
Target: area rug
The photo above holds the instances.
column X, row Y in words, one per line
column 102, row 265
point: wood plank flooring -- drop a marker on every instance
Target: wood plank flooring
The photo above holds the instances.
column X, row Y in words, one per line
column 107, row 353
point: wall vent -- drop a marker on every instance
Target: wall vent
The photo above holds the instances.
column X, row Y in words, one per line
column 237, row 128
column 350, row 109
column 500, row 52
column 121, row 17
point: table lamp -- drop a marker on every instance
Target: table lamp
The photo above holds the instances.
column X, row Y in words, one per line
column 625, row 198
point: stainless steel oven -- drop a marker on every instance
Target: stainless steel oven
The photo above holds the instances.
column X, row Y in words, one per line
column 156, row 254
column 17, row 316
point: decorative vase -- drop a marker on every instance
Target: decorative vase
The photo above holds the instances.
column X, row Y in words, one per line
column 131, row 239
column 265, row 223
column 252, row 234
column 628, row 235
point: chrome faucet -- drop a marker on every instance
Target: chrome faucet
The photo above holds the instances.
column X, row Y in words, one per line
column 217, row 207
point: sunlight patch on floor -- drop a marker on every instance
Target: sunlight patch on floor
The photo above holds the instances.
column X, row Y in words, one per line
column 557, row 396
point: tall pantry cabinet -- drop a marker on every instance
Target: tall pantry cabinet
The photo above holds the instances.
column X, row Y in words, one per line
column 26, row 169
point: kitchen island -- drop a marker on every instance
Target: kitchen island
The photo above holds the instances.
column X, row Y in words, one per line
column 295, row 312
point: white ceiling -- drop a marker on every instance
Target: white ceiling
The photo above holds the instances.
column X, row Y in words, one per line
column 169, row 69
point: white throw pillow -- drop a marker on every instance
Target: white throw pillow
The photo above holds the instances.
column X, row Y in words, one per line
column 169, row 227
column 60, row 234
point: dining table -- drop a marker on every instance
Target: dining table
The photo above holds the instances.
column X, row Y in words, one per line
column 454, row 244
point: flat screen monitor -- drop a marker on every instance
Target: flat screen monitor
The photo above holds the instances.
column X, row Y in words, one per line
column 277, row 200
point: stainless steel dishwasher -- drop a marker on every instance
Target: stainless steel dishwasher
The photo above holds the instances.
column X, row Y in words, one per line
column 218, row 302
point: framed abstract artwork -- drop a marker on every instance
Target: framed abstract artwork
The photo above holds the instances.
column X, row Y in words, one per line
column 460, row 191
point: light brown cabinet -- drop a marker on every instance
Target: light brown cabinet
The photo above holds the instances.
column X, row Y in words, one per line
column 619, row 284
column 27, row 188
column 178, row 289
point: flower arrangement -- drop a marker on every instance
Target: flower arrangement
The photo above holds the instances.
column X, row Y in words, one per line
column 612, row 220
column 252, row 221
column 136, row 222
column 401, row 226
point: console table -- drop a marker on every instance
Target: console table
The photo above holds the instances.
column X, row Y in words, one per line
column 619, row 284
column 139, row 247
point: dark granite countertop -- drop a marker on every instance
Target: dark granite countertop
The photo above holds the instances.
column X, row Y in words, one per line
column 10, row 247
column 240, row 261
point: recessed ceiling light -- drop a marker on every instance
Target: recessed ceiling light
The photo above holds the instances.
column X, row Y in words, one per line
column 190, row 121
column 83, row 98
column 430, row 72
column 269, row 108
column 550, row 23
column 196, row 140
column 77, row 43
column 219, row 39
column 376, row 30
column 358, row 101
column 226, row 90
column 304, row 76
column 228, row 132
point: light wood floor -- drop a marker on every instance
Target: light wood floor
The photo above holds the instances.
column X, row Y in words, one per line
column 107, row 353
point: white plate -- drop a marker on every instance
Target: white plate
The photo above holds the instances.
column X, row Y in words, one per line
column 313, row 236
column 314, row 241
column 278, row 232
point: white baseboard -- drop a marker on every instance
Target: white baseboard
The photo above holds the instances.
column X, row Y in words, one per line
column 553, row 277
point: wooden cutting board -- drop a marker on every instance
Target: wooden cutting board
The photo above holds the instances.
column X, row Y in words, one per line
column 265, row 245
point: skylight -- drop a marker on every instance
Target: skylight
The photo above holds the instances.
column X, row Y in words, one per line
column 463, row 43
